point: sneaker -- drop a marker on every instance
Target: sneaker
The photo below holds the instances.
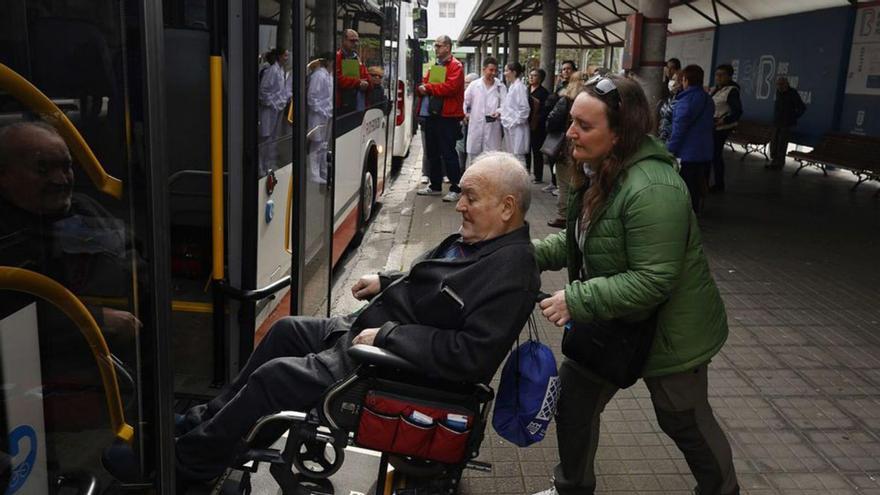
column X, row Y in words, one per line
column 549, row 491
column 446, row 180
column 427, row 191
column 451, row 197
column 425, row 179
column 548, row 188
column 557, row 222
column 555, row 192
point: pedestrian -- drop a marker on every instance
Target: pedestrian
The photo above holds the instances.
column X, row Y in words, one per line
column 690, row 138
column 483, row 100
column 559, row 120
column 537, row 118
column 567, row 69
column 787, row 109
column 461, row 144
column 671, row 69
column 274, row 93
column 728, row 110
column 633, row 249
column 515, row 113
column 442, row 104
column 667, row 106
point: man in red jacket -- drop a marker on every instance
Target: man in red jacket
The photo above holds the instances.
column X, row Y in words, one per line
column 442, row 108
column 350, row 91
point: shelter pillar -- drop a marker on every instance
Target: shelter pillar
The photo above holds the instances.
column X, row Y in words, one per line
column 513, row 45
column 653, row 49
column 495, row 48
column 478, row 56
column 548, row 41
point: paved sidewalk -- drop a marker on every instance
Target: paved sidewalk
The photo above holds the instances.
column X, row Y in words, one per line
column 796, row 387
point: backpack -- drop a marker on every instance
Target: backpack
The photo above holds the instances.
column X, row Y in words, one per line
column 528, row 392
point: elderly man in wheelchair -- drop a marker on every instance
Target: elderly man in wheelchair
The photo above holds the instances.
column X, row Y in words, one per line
column 405, row 374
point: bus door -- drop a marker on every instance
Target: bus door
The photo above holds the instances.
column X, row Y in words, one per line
column 83, row 255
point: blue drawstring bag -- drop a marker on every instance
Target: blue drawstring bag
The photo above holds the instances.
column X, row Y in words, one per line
column 526, row 398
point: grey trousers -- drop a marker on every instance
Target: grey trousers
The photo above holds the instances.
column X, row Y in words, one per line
column 683, row 412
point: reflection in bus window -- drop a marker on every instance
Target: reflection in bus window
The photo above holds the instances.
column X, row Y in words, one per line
column 320, row 104
column 275, row 90
column 352, row 81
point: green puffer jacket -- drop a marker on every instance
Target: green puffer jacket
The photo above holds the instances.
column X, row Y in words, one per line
column 643, row 250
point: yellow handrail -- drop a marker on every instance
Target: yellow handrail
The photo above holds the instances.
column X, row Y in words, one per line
column 27, row 281
column 216, row 91
column 39, row 103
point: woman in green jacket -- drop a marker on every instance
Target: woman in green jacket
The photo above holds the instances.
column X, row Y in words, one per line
column 632, row 247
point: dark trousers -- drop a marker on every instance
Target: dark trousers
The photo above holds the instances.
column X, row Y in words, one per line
column 535, row 159
column 683, row 412
column 440, row 136
column 718, row 158
column 297, row 361
column 779, row 145
column 694, row 175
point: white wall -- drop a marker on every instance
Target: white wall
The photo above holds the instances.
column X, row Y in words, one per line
column 449, row 26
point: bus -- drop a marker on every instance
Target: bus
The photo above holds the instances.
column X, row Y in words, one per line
column 188, row 201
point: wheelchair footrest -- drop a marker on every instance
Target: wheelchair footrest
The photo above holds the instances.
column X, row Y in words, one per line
column 256, row 456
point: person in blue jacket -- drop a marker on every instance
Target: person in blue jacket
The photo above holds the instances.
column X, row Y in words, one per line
column 692, row 127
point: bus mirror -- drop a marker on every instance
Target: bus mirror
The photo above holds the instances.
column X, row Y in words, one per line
column 420, row 22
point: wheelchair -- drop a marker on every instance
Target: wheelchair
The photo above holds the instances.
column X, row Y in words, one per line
column 374, row 408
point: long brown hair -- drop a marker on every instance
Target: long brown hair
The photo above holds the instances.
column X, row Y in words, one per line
column 631, row 120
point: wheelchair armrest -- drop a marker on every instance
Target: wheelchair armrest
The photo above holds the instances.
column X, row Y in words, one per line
column 376, row 356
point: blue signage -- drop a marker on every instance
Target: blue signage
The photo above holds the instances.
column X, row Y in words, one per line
column 22, row 470
column 762, row 50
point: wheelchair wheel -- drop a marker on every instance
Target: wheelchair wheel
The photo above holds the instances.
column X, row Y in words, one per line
column 418, row 468
column 318, row 460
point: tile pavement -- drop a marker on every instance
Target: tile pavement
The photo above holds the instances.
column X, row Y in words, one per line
column 796, row 387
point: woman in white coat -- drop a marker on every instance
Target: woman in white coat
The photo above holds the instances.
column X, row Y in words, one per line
column 515, row 113
column 482, row 107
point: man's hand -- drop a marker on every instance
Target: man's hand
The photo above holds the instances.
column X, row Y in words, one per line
column 364, row 85
column 120, row 323
column 366, row 337
column 366, row 287
column 495, row 115
column 555, row 309
column 422, row 90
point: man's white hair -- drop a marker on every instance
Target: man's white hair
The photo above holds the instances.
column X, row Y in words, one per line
column 508, row 174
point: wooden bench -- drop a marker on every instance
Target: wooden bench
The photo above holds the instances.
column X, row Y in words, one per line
column 753, row 136
column 858, row 154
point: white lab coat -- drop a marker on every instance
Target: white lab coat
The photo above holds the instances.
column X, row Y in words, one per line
column 320, row 102
column 515, row 119
column 480, row 101
column 274, row 93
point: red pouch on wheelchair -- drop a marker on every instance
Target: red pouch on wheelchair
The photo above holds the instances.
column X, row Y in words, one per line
column 423, row 429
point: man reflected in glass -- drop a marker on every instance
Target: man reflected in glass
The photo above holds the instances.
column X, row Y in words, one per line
column 352, row 79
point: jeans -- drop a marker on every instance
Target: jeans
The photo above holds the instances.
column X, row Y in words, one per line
column 535, row 160
column 441, row 133
column 694, row 175
column 718, row 158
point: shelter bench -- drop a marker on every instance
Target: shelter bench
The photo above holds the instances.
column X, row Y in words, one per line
column 753, row 136
column 858, row 154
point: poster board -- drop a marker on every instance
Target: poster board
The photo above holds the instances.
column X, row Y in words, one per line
column 692, row 48
column 863, row 75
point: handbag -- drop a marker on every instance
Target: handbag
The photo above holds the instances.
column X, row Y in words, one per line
column 616, row 350
column 553, row 143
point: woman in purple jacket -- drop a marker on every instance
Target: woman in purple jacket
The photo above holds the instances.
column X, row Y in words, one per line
column 691, row 137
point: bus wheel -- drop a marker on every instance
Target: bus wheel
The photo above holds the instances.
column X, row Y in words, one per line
column 366, row 205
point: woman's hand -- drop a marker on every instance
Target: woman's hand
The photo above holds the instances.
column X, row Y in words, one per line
column 555, row 310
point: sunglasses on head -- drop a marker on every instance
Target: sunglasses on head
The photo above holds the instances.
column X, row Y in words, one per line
column 601, row 85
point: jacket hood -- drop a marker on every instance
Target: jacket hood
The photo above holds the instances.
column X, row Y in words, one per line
column 651, row 149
